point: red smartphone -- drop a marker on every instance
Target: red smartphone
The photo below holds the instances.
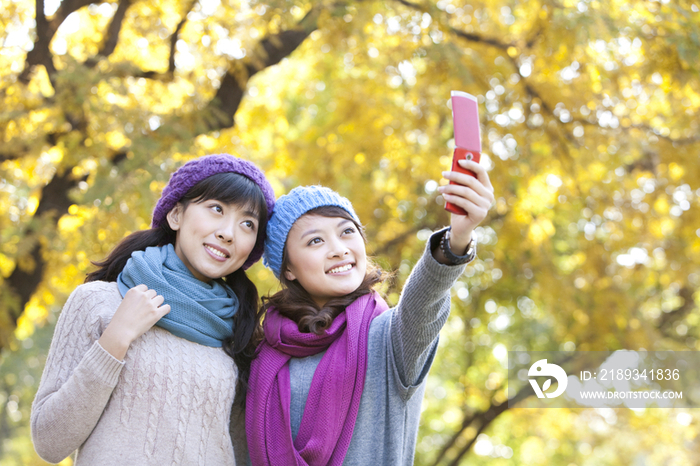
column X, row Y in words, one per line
column 465, row 117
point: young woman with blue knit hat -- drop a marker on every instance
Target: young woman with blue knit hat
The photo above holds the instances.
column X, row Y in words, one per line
column 141, row 364
column 339, row 377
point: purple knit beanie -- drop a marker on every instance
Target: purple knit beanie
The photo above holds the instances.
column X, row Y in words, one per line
column 201, row 168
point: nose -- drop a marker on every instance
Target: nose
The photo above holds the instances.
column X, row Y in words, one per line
column 338, row 249
column 225, row 231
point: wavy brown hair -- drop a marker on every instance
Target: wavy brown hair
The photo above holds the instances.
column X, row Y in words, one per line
column 294, row 302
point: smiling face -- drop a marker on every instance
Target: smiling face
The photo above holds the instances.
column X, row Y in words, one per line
column 326, row 255
column 214, row 238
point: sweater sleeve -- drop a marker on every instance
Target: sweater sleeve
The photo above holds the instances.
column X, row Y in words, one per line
column 423, row 309
column 77, row 382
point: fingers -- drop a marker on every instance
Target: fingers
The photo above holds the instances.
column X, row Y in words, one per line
column 475, row 211
column 469, row 188
column 482, row 189
column 466, row 181
column 143, row 290
column 480, row 172
column 164, row 309
column 466, row 192
column 474, row 194
column 158, row 300
column 140, row 309
column 151, row 297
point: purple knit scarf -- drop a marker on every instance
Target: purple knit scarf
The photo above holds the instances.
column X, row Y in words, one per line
column 334, row 397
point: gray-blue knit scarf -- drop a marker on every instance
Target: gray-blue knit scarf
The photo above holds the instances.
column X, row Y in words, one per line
column 200, row 312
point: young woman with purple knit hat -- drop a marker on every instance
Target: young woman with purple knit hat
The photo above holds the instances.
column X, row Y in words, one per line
column 339, row 377
column 141, row 364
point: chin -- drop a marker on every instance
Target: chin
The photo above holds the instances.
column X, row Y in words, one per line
column 351, row 289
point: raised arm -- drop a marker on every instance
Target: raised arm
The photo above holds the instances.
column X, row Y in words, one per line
column 422, row 310
column 425, row 301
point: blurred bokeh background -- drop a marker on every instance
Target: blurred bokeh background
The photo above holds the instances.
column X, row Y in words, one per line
column 589, row 114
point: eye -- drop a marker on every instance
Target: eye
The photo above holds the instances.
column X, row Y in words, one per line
column 349, row 231
column 250, row 224
column 217, row 208
column 313, row 241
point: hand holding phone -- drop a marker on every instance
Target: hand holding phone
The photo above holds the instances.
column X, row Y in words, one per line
column 465, row 117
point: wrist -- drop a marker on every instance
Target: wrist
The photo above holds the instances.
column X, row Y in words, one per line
column 459, row 243
column 115, row 343
column 460, row 253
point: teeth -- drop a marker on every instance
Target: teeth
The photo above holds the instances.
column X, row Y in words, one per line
column 344, row 268
column 216, row 252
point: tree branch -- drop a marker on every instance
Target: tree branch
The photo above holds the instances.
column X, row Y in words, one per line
column 67, row 7
column 270, row 51
column 24, row 280
column 487, row 417
column 115, row 26
column 483, row 419
column 40, row 54
column 471, row 37
column 389, row 245
column 531, row 91
column 21, row 150
column 176, row 35
column 4, row 156
column 45, row 30
column 681, row 311
column 464, row 35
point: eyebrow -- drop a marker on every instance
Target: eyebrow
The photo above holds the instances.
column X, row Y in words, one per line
column 310, row 232
column 247, row 212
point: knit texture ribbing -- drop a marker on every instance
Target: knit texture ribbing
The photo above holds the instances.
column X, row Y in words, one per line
column 334, row 397
column 167, row 403
column 200, row 312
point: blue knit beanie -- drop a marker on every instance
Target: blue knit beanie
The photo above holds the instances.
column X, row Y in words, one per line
column 288, row 209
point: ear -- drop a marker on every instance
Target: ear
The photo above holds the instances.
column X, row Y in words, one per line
column 174, row 217
column 289, row 275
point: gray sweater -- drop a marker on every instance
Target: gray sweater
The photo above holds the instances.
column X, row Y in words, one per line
column 402, row 345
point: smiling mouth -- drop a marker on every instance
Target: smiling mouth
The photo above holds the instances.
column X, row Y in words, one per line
column 342, row 268
column 216, row 252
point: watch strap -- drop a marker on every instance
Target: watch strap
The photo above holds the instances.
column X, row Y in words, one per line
column 455, row 259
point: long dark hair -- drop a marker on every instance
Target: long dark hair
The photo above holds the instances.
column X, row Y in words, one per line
column 229, row 188
column 294, row 302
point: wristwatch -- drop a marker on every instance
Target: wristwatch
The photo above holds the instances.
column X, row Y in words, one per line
column 454, row 258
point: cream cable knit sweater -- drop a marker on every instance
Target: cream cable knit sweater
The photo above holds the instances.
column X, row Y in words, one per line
column 167, row 403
